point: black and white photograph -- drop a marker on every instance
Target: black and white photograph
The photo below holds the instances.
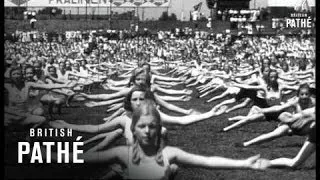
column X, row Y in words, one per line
column 160, row 89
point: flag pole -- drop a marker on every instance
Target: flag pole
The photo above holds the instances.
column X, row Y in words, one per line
column 110, row 20
column 86, row 10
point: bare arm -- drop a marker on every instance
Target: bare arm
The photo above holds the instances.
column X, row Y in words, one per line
column 166, row 84
column 103, row 103
column 283, row 87
column 185, row 120
column 115, row 154
column 278, row 108
column 119, row 83
column 122, row 93
column 303, row 72
column 288, row 83
column 247, row 81
column 164, row 78
column 286, row 78
column 126, row 75
column 119, row 112
column 105, row 127
column 307, row 149
column 172, row 98
column 180, row 156
column 156, row 72
column 238, row 106
column 50, row 86
column 171, row 106
column 247, row 74
column 114, row 88
column 94, row 71
column 172, row 91
column 224, row 76
column 55, row 79
column 245, row 86
column 300, row 77
column 78, row 75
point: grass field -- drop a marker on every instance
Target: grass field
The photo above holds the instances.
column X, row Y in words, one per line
column 204, row 138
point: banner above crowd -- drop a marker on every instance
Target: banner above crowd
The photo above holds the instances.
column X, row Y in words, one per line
column 8, row 3
column 98, row 3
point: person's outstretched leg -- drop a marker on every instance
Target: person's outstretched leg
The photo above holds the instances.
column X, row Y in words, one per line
column 278, row 132
column 248, row 119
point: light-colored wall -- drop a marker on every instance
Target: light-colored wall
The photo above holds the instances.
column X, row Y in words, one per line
column 257, row 4
column 178, row 7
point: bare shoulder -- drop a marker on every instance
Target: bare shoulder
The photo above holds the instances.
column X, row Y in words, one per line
column 120, row 152
column 122, row 119
column 125, row 90
column 153, row 87
column 171, row 152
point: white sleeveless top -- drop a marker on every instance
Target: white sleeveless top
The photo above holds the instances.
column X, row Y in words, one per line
column 63, row 77
column 147, row 168
column 273, row 95
column 17, row 98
